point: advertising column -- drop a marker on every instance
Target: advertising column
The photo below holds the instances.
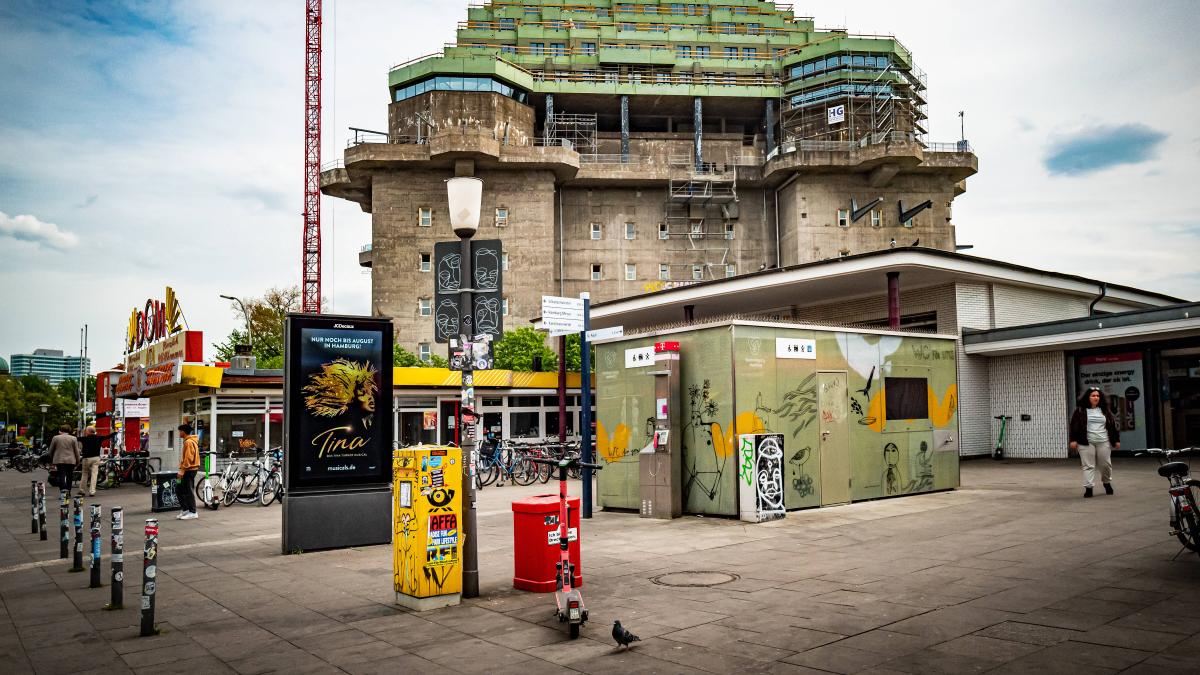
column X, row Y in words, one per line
column 1119, row 376
column 337, row 432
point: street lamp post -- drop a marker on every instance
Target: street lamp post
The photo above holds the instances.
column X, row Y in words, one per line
column 465, row 196
column 249, row 330
column 44, row 408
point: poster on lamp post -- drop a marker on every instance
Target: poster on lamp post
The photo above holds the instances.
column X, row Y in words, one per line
column 338, row 401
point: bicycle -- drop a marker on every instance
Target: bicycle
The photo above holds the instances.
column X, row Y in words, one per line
column 503, row 460
column 132, row 468
column 1184, row 512
column 211, row 490
column 272, row 487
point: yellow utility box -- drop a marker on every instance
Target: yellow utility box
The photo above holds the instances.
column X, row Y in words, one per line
column 427, row 514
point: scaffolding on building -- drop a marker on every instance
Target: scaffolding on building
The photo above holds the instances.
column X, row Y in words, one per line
column 699, row 213
column 572, row 131
column 856, row 97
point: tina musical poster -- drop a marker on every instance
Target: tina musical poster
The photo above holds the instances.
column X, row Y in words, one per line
column 339, row 400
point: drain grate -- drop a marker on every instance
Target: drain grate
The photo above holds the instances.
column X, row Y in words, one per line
column 694, row 578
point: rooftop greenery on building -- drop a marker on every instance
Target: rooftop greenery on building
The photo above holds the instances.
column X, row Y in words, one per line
column 726, row 48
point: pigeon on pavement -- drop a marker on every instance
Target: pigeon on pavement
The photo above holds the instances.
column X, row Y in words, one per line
column 623, row 636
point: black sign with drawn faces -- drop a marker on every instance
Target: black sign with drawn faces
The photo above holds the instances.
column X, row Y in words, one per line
column 487, row 315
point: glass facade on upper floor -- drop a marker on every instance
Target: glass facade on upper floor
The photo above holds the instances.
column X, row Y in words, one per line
column 459, row 83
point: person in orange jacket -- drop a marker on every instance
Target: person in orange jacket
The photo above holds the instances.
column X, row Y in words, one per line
column 189, row 464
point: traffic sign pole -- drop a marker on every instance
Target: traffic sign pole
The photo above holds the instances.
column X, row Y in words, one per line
column 585, row 406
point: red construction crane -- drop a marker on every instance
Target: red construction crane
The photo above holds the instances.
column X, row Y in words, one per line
column 310, row 265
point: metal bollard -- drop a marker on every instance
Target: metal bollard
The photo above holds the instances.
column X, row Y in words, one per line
column 77, row 561
column 94, row 531
column 33, row 521
column 149, row 573
column 118, row 559
column 64, row 515
column 42, row 510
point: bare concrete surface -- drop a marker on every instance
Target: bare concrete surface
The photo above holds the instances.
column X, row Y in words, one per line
column 1012, row 573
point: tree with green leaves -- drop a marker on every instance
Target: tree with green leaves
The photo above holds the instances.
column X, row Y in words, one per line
column 21, row 400
column 517, row 348
column 402, row 358
column 267, row 317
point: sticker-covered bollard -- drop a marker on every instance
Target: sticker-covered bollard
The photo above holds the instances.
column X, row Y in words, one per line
column 149, row 574
column 94, row 531
column 118, row 559
column 42, row 510
column 64, row 528
column 33, row 521
column 77, row 508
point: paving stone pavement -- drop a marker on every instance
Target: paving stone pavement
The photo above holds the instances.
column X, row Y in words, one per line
column 1012, row 573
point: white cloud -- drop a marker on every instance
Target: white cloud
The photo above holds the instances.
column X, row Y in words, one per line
column 29, row 228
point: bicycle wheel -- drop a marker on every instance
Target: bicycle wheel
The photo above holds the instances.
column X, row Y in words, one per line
column 1188, row 530
column 270, row 489
column 201, row 483
column 487, row 471
column 139, row 473
column 545, row 472
column 524, row 472
column 231, row 490
column 249, row 492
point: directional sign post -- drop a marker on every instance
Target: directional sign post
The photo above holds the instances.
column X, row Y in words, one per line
column 605, row 333
column 562, row 316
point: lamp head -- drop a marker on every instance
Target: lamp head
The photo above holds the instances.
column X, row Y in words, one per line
column 466, row 198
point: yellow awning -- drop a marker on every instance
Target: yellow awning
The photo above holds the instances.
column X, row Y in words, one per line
column 444, row 377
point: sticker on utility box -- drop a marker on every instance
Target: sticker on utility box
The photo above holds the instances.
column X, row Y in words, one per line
column 553, row 537
column 795, row 348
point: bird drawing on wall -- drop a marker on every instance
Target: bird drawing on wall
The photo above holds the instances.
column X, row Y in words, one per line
column 892, row 243
column 623, row 637
column 866, row 391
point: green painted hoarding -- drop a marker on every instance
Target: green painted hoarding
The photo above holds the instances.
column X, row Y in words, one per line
column 740, row 378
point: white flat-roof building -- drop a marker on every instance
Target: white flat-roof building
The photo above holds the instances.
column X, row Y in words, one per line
column 947, row 293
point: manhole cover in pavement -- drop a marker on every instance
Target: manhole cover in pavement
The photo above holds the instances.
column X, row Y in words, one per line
column 697, row 578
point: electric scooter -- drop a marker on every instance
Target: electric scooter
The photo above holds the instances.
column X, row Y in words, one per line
column 998, row 453
column 571, row 609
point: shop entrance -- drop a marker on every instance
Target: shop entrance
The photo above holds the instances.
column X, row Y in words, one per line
column 1180, row 370
column 417, row 426
column 835, row 438
column 448, row 428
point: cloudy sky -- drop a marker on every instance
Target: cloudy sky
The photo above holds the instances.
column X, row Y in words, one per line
column 146, row 143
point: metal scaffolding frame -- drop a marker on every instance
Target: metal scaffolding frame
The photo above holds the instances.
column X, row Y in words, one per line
column 571, row 130
column 880, row 105
column 697, row 211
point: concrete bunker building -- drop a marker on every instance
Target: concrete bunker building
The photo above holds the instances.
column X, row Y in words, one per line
column 630, row 147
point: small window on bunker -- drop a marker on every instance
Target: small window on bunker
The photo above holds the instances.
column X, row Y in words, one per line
column 907, row 398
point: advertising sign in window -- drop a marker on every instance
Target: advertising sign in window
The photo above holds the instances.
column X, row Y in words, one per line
column 1119, row 376
column 337, row 410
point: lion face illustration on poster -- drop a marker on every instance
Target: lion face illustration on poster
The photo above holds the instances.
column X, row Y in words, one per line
column 340, row 386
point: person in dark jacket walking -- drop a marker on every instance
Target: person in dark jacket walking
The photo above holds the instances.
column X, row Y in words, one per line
column 91, row 459
column 64, row 455
column 1094, row 434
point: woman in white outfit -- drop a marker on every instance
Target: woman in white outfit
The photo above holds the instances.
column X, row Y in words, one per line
column 1094, row 434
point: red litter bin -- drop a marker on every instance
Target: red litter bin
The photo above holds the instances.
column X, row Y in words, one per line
column 535, row 539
